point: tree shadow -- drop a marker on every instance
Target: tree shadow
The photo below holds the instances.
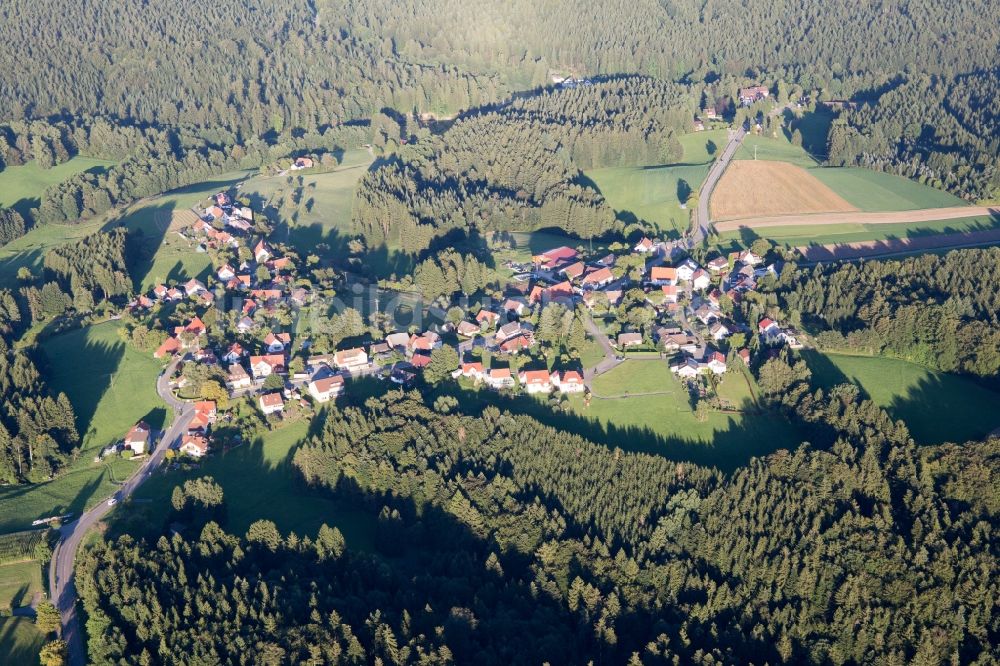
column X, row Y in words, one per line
column 145, row 236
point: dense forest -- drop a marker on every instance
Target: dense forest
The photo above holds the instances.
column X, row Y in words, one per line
column 517, row 166
column 524, row 544
column 941, row 131
column 940, row 311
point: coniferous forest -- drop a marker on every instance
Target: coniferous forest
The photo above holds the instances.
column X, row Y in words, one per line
column 500, row 539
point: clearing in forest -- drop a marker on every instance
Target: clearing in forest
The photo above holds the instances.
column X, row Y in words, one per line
column 761, row 188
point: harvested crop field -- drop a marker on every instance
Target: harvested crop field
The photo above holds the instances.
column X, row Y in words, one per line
column 891, row 217
column 757, row 188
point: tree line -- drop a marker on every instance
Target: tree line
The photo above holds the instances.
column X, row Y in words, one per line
column 939, row 311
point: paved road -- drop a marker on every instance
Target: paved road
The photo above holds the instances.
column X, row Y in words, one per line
column 61, row 582
column 610, row 359
column 702, row 218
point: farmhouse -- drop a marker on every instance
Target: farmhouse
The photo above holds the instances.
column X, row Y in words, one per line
column 137, row 439
column 535, row 381
column 554, row 256
column 271, row 403
column 326, row 388
column 194, row 445
column 573, row 271
column 302, row 163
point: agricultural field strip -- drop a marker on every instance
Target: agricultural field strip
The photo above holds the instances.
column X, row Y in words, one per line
column 892, row 217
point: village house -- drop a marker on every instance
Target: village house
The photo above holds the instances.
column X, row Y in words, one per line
column 351, row 359
column 271, row 403
column 194, row 445
column 644, row 245
column 266, row 365
column 768, row 329
column 511, row 330
column 669, row 293
column 470, row 371
column 700, row 279
column 467, row 329
column 606, row 261
column 719, row 331
column 174, row 294
column 686, row 269
column 698, row 125
column 487, row 318
column 677, row 341
column 569, row 381
column 535, row 381
column 245, row 324
column 573, row 271
column 419, row 361
column 718, row 265
column 516, row 306
column 399, row 341
column 686, row 368
column 557, row 292
column 426, row 342
column 238, row 379
column 169, row 347
column 234, row 353
column 325, row 389
column 193, row 287
column 662, row 275
column 302, row 163
column 716, row 363
column 517, row 344
column 744, row 355
column 629, row 340
column 205, row 413
column 746, row 257
column 498, row 378
column 706, row 314
column 598, row 278
column 261, row 252
column 225, row 273
column 277, row 342
column 753, row 94
column 138, row 438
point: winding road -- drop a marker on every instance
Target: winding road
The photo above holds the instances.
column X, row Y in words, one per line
column 61, row 582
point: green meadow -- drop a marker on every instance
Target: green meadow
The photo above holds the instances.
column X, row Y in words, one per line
column 875, row 191
column 19, row 582
column 20, row 642
column 27, row 183
column 937, row 407
column 259, row 483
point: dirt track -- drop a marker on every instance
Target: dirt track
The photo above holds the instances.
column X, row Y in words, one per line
column 892, row 246
column 892, row 217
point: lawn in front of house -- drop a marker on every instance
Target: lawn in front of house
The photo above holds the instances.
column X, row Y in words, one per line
column 19, row 582
column 258, row 483
column 936, row 406
column 110, row 384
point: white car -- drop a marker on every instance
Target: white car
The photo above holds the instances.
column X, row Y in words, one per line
column 112, row 501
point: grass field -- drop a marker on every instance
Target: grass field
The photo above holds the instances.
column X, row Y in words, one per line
column 702, row 147
column 259, row 483
column 313, row 206
column 758, row 187
column 167, row 256
column 937, row 407
column 665, row 424
column 20, row 642
column 653, row 194
column 83, row 486
column 19, row 582
column 111, row 385
column 802, row 235
column 875, row 191
column 22, row 186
